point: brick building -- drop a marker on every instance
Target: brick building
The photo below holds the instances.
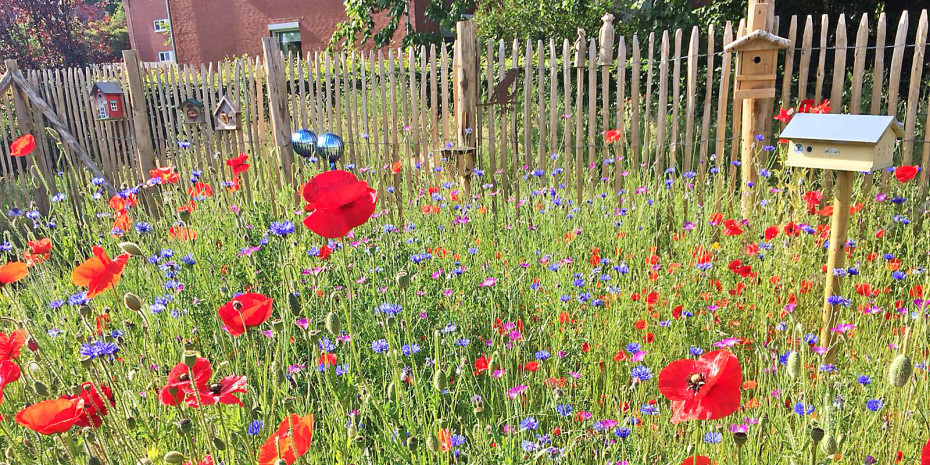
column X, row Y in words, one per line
column 149, row 29
column 204, row 31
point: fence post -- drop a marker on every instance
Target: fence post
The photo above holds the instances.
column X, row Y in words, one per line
column 465, row 96
column 142, row 133
column 277, row 104
column 26, row 124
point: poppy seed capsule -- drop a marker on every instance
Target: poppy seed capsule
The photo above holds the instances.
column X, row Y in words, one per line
column 828, row 446
column 740, row 439
column 185, row 425
column 185, row 217
column 333, row 324
column 190, row 358
column 174, row 457
column 146, row 461
column 816, row 434
column 132, row 302
column 900, row 370
column 403, row 280
column 412, row 442
column 131, row 248
column 794, row 364
column 131, row 422
column 40, row 388
column 85, row 311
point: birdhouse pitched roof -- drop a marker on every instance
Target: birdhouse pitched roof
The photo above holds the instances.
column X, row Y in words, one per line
column 863, row 129
column 754, row 39
column 191, row 101
column 225, row 100
column 106, row 87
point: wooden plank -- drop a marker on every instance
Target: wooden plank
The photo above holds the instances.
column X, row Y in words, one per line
column 897, row 63
column 435, row 140
column 705, row 118
column 635, row 120
column 736, row 124
column 349, row 81
column 805, row 64
column 490, row 109
column 505, row 154
column 647, row 119
column 821, row 58
column 527, row 99
column 913, row 92
column 878, row 67
column 661, row 161
column 384, row 152
column 447, row 135
column 690, row 98
column 788, row 71
column 862, row 42
column 580, row 52
column 553, row 105
column 722, row 99
column 591, row 167
column 566, row 110
column 621, row 105
column 839, row 67
column 675, row 144
column 540, row 106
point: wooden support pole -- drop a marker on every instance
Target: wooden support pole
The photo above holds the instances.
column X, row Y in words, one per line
column 277, row 105
column 836, row 258
column 26, row 124
column 142, row 133
column 465, row 96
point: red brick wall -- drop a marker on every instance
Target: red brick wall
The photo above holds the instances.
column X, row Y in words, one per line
column 211, row 30
column 140, row 15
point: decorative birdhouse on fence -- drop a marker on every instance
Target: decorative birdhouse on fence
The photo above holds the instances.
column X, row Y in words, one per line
column 226, row 115
column 108, row 97
column 191, row 111
column 841, row 142
column 756, row 63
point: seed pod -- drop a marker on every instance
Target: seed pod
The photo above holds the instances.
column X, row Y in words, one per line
column 293, row 301
column 432, row 443
column 219, row 444
column 93, row 461
column 277, row 325
column 403, row 280
column 185, row 426
column 412, row 442
column 185, row 217
column 333, row 323
column 794, row 364
column 146, row 461
column 174, row 457
column 85, row 311
column 40, row 388
column 131, row 248
column 899, row 372
column 740, row 438
column 32, row 344
column 132, row 301
column 828, row 446
column 131, row 422
column 34, row 368
column 439, row 381
column 816, row 434
column 190, row 358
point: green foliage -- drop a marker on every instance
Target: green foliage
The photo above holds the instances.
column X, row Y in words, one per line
column 360, row 27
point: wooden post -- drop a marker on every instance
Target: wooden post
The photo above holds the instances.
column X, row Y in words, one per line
column 26, row 124
column 277, row 104
column 836, row 257
column 465, row 95
column 142, row 133
column 755, row 111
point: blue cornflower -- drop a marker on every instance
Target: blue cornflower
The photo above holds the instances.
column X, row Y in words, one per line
column 695, row 351
column 529, row 446
column 282, row 228
column 326, row 345
column 649, row 409
column 457, row 440
column 59, row 197
column 874, row 405
column 801, row 409
column 864, row 380
column 56, row 304
column 529, row 423
column 543, row 355
column 641, row 373
column 899, row 275
column 410, row 349
column 143, row 227
column 464, row 342
column 6, row 246
column 389, row 309
column 78, row 299
column 713, row 437
column 188, row 259
column 634, row 347
column 380, row 346
column 255, row 427
column 564, row 409
column 623, row 432
column 96, row 349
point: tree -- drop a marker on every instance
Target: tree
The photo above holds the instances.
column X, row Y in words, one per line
column 361, row 26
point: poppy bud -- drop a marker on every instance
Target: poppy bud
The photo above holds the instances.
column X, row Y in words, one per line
column 174, row 457
column 132, row 302
column 40, row 388
column 32, row 344
column 439, row 381
column 185, row 426
column 219, row 444
column 185, row 216
column 333, row 324
column 432, row 443
column 412, row 442
column 740, row 439
column 190, row 358
column 293, row 301
column 288, row 401
column 131, row 248
column 403, row 280
column 85, row 311
column 93, row 461
column 146, row 461
column 794, row 364
column 816, row 434
column 828, row 446
column 131, row 422
column 900, row 370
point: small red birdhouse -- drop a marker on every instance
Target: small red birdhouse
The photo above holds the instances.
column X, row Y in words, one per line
column 108, row 97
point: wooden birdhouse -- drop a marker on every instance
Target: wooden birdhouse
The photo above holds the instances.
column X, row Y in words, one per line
column 756, row 63
column 191, row 111
column 226, row 115
column 108, row 97
column 841, row 142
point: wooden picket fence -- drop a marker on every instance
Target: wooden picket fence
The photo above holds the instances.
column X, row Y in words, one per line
column 670, row 93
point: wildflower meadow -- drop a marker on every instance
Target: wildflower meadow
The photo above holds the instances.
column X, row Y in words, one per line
column 650, row 325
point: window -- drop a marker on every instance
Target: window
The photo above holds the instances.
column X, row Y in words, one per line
column 166, row 57
column 161, row 25
column 288, row 35
column 114, row 106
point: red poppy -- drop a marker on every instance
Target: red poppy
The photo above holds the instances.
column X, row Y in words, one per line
column 207, row 460
column 99, row 273
column 224, row 392
column 732, row 228
column 785, row 115
column 925, row 455
column 481, row 365
column 699, row 460
column 200, row 189
column 771, row 233
column 703, row 389
column 234, row 184
column 396, row 167
column 12, row 272
column 10, row 345
column 245, row 311
column 531, row 366
column 23, row 146
column 183, row 381
column 50, row 416
column 905, row 173
column 289, row 442
column 337, row 202
column 93, row 406
column 9, row 372
column 181, row 233
column 119, row 203
column 238, row 164
column 41, row 247
column 165, row 175
column 445, row 440
column 612, row 136
column 327, row 360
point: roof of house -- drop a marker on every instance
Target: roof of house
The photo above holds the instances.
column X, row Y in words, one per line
column 191, row 101
column 107, row 87
column 225, row 99
column 867, row 129
column 758, row 34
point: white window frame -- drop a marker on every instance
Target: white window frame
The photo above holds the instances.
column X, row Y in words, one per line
column 166, row 56
column 114, row 105
column 161, row 25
